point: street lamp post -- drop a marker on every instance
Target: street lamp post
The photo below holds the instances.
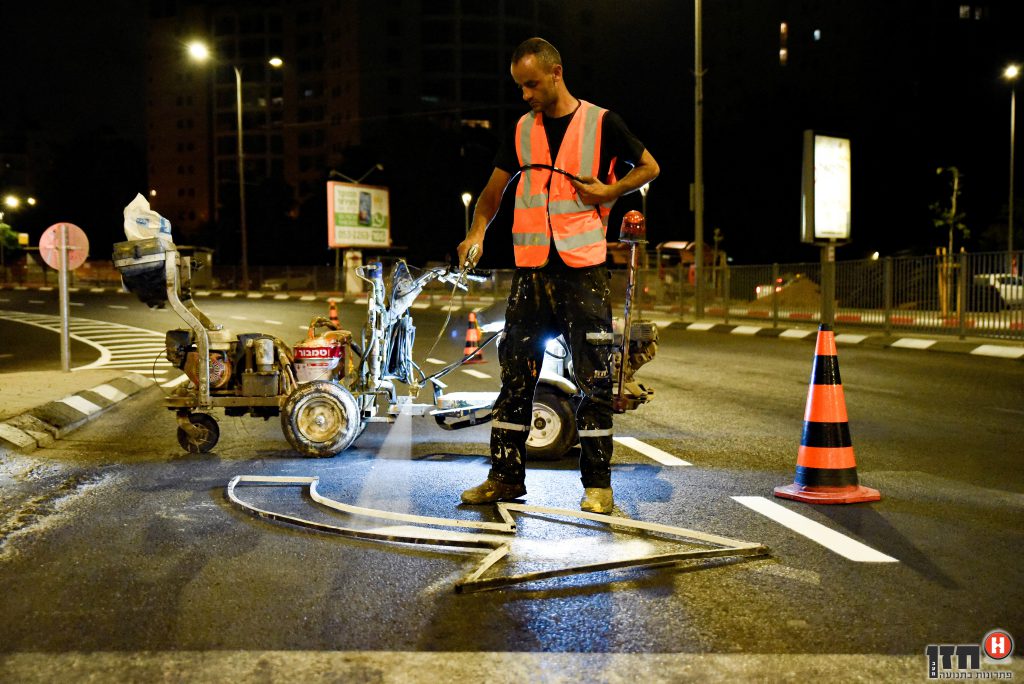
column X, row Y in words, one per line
column 1011, row 73
column 466, row 198
column 241, row 183
column 200, row 52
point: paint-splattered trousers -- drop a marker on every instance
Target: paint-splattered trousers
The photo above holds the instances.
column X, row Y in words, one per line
column 542, row 305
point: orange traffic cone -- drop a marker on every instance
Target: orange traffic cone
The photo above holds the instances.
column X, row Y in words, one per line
column 333, row 315
column 473, row 340
column 826, row 472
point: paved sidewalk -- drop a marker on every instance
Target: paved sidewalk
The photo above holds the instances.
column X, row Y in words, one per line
column 38, row 407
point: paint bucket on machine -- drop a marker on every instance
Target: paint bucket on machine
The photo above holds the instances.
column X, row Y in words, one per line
column 321, row 357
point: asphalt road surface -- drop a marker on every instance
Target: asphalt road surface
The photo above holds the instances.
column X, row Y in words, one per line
column 123, row 554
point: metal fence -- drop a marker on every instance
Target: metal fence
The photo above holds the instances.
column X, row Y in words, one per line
column 972, row 294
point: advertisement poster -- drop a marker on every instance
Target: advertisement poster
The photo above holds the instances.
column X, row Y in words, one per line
column 826, row 189
column 357, row 215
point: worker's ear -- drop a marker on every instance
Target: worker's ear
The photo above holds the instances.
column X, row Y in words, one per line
column 556, row 72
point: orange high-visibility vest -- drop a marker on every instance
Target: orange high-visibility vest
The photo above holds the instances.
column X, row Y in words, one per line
column 546, row 202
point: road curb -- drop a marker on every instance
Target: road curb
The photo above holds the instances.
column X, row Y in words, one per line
column 41, row 426
column 992, row 349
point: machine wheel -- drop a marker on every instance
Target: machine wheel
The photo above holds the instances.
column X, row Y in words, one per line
column 207, row 424
column 320, row 419
column 553, row 426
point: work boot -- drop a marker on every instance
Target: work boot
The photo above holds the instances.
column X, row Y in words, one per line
column 597, row 500
column 490, row 491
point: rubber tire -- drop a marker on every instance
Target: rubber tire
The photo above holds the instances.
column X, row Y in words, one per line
column 552, row 440
column 320, row 419
column 206, row 422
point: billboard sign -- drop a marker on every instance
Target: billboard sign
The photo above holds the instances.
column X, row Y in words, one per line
column 357, row 215
column 825, row 209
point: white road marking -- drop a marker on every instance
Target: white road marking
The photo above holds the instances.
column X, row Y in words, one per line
column 36, row 301
column 475, row 373
column 229, row 295
column 175, row 382
column 796, row 334
column 998, row 352
column 848, row 338
column 279, row 297
column 76, row 303
column 700, row 326
column 436, row 362
column 913, row 343
column 651, row 452
column 116, row 306
column 307, row 298
column 421, row 305
column 745, row 330
column 97, row 289
column 254, row 295
column 273, row 322
column 239, row 318
column 815, row 531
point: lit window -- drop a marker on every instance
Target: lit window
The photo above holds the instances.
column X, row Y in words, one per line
column 965, row 11
column 783, row 56
column 817, row 35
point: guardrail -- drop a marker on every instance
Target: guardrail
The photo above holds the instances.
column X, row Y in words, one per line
column 972, row 294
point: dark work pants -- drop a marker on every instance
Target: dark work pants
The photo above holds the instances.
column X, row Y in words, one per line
column 541, row 306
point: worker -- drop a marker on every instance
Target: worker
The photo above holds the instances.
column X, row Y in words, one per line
column 568, row 154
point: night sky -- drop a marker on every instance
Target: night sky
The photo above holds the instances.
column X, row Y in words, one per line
column 912, row 86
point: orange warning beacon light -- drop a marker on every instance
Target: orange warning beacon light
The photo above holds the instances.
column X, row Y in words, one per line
column 826, row 472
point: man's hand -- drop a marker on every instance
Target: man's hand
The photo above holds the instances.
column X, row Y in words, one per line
column 593, row 191
column 464, row 247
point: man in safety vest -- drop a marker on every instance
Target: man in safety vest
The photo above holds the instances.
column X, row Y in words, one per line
column 566, row 152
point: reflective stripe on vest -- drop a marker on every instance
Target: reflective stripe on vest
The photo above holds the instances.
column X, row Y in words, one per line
column 547, row 204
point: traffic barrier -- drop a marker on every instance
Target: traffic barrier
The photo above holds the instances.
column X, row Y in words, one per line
column 333, row 315
column 473, row 340
column 826, row 472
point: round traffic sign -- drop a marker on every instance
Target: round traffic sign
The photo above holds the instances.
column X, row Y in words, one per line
column 78, row 246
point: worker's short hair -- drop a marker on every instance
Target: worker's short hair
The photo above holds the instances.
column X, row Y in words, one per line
column 546, row 53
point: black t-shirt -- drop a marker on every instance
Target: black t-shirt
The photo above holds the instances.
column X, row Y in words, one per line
column 617, row 142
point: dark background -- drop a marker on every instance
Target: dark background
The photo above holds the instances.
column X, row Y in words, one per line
column 912, row 84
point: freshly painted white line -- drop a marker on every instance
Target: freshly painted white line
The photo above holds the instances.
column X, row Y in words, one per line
column 436, row 362
column 849, row 338
column 815, row 531
column 116, row 306
column 700, row 326
column 913, row 343
column 796, row 334
column 651, row 452
column 80, row 404
column 475, row 373
column 998, row 352
column 109, row 392
column 745, row 330
column 269, row 322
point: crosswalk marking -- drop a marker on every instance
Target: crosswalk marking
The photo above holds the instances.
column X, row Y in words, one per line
column 662, row 457
column 815, row 531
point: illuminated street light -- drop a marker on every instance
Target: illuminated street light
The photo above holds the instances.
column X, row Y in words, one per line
column 466, row 199
column 200, row 53
column 1010, row 74
column 12, row 202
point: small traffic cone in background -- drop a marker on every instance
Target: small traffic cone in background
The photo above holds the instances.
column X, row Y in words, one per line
column 333, row 315
column 473, row 340
column 826, row 472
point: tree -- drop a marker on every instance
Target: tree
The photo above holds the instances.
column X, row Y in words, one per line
column 948, row 217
